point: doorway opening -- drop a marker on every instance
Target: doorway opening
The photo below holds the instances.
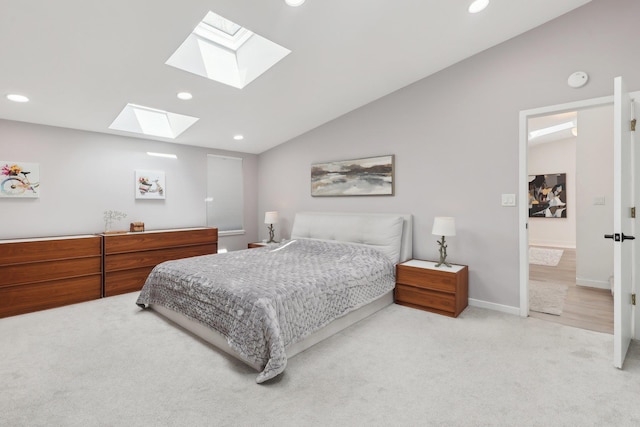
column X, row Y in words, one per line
column 563, row 214
column 570, row 176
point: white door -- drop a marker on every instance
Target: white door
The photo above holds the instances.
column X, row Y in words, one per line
column 622, row 222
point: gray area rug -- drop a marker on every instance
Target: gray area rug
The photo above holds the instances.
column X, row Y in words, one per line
column 545, row 256
column 545, row 297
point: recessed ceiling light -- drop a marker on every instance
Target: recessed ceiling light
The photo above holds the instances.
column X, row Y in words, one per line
column 238, row 137
column 294, row 3
column 17, row 98
column 478, row 6
column 185, row 96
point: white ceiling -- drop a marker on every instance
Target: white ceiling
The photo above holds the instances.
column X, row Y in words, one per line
column 81, row 61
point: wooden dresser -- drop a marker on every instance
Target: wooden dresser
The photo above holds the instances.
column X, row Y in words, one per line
column 444, row 290
column 130, row 257
column 36, row 274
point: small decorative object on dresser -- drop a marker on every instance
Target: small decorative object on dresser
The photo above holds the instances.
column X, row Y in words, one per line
column 443, row 226
column 136, row 227
column 427, row 286
column 110, row 217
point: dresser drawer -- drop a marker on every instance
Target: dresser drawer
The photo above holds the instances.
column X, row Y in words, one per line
column 123, row 281
column 425, row 299
column 424, row 278
column 129, row 260
column 30, row 297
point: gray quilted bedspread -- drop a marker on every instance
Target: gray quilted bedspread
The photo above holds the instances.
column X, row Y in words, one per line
column 265, row 299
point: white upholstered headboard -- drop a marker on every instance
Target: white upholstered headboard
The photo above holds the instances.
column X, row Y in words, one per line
column 390, row 233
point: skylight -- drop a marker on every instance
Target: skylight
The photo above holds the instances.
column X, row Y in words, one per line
column 151, row 121
column 221, row 24
column 551, row 129
column 226, row 52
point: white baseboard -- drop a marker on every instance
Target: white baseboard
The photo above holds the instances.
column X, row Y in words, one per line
column 600, row 284
column 493, row 306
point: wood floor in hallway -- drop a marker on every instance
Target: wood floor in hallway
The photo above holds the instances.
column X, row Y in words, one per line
column 584, row 307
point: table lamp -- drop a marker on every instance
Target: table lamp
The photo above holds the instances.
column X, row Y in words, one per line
column 443, row 226
column 271, row 218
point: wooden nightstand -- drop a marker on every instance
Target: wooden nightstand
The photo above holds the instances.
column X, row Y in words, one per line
column 443, row 290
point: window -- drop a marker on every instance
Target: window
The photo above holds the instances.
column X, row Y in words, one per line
column 225, row 201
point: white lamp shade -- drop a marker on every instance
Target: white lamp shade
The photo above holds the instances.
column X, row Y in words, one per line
column 444, row 226
column 271, row 217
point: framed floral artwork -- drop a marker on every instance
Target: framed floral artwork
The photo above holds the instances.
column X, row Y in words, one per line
column 150, row 184
column 19, row 179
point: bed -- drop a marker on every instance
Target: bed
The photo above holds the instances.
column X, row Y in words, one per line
column 265, row 305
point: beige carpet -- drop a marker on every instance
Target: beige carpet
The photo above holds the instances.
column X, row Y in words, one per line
column 108, row 363
column 546, row 297
column 545, row 256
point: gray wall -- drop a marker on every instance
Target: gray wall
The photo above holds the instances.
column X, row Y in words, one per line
column 455, row 138
column 82, row 174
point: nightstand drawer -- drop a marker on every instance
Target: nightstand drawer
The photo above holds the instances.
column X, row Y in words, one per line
column 425, row 299
column 423, row 278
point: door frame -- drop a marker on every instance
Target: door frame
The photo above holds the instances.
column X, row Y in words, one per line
column 523, row 183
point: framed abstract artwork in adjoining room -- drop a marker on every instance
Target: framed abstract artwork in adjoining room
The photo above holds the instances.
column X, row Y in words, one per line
column 548, row 195
column 19, row 179
column 150, row 184
column 371, row 176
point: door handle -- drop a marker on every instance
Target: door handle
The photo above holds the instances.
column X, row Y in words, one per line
column 619, row 237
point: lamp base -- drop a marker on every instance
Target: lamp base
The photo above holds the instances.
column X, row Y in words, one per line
column 443, row 253
column 271, row 234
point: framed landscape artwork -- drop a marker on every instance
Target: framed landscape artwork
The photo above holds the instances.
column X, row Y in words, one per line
column 372, row 176
column 548, row 196
column 19, row 179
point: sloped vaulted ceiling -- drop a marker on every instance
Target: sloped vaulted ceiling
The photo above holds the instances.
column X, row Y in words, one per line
column 81, row 62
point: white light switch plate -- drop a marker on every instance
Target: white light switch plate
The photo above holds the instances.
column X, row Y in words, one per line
column 508, row 200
